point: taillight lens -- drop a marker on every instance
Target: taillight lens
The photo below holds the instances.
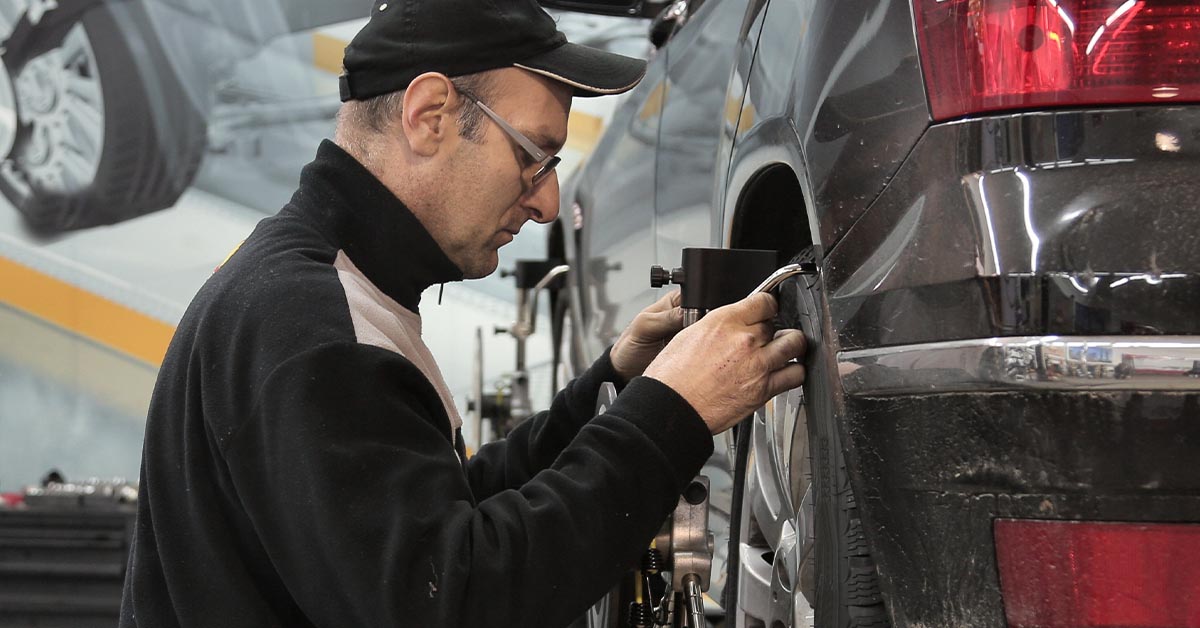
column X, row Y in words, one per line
column 988, row 55
column 1074, row 574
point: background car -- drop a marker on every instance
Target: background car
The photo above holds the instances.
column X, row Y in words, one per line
column 1001, row 199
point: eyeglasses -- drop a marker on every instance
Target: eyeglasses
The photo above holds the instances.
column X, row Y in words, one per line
column 545, row 161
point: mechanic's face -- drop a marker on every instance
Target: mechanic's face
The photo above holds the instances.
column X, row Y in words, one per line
column 491, row 190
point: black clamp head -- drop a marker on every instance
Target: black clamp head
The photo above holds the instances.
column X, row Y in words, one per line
column 710, row 278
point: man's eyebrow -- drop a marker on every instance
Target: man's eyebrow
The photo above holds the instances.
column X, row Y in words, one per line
column 546, row 141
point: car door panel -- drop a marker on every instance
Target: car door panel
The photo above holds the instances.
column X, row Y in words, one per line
column 614, row 205
column 700, row 107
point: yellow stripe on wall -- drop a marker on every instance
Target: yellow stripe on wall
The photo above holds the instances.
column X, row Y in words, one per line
column 327, row 52
column 583, row 131
column 119, row 382
column 81, row 312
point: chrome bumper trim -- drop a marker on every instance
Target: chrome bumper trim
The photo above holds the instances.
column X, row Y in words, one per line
column 1161, row 363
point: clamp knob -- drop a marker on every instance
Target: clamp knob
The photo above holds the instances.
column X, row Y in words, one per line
column 660, row 276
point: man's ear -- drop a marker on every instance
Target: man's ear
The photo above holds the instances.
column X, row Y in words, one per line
column 429, row 113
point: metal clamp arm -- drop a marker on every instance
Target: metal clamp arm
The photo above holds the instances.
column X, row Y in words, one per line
column 528, row 315
column 781, row 275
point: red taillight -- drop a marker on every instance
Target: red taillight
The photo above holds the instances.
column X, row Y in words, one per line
column 1076, row 574
column 988, row 55
column 11, row 499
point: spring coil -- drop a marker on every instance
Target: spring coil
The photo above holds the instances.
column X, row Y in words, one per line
column 652, row 561
column 641, row 615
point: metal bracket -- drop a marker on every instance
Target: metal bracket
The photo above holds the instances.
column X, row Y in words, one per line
column 688, row 541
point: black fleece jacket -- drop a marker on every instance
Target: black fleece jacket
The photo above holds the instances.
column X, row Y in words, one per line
column 295, row 473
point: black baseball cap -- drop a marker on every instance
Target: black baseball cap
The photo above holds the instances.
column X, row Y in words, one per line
column 406, row 38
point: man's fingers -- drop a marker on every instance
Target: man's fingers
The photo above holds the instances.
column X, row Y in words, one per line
column 665, row 303
column 660, row 320
column 785, row 379
column 787, row 344
column 755, row 308
column 656, row 326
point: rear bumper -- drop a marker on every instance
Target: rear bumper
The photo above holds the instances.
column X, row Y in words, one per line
column 1016, row 333
column 945, row 438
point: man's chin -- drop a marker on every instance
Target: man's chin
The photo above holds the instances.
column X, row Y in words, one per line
column 482, row 268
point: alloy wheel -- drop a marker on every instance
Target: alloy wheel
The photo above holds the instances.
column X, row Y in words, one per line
column 776, row 536
column 61, row 104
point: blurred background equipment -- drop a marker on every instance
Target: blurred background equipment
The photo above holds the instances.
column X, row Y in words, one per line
column 63, row 548
column 510, row 402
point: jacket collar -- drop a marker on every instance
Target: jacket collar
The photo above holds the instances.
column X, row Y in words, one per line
column 376, row 230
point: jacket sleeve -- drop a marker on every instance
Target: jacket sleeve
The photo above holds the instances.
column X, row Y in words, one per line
column 348, row 476
column 537, row 441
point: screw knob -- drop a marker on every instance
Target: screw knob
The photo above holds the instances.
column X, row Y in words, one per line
column 659, row 277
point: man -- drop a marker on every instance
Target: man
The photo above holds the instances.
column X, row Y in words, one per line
column 303, row 464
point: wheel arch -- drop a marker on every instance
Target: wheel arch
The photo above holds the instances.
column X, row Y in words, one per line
column 771, row 213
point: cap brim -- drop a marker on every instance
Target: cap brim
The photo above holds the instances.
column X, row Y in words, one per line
column 592, row 72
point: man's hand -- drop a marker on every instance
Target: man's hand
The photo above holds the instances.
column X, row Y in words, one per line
column 646, row 336
column 730, row 363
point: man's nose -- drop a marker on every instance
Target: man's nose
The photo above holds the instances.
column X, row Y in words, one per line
column 542, row 199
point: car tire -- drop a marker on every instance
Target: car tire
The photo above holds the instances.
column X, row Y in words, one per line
column 123, row 140
column 798, row 556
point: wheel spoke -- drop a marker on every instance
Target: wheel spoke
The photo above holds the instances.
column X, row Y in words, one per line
column 75, row 170
column 765, row 587
column 754, row 581
column 782, row 432
column 85, row 130
column 76, row 49
column 769, row 502
column 84, row 92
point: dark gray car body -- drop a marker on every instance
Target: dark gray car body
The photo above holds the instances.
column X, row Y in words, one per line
column 943, row 247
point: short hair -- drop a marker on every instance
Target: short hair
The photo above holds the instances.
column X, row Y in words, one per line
column 376, row 112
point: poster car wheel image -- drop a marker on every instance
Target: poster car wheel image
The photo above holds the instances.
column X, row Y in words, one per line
column 96, row 127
